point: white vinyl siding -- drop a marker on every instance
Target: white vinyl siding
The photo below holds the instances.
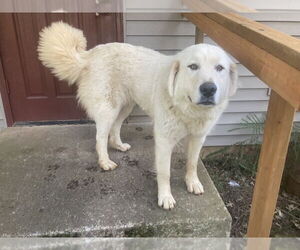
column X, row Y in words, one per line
column 169, row 33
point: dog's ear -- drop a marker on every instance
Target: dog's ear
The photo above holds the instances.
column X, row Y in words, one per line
column 233, row 79
column 172, row 77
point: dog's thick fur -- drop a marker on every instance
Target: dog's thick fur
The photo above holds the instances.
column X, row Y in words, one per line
column 113, row 77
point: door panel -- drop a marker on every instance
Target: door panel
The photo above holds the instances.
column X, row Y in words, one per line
column 34, row 93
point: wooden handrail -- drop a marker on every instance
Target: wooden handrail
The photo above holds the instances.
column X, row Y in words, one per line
column 281, row 45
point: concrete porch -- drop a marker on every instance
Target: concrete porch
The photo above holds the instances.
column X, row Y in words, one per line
column 51, row 185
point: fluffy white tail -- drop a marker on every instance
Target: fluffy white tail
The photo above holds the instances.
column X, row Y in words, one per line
column 61, row 48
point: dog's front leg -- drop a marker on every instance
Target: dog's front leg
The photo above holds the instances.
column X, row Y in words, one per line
column 163, row 152
column 193, row 184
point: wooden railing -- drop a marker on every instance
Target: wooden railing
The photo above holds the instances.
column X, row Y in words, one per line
column 274, row 57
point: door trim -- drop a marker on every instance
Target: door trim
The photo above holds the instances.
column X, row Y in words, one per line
column 5, row 97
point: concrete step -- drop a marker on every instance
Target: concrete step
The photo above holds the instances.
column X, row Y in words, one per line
column 51, row 185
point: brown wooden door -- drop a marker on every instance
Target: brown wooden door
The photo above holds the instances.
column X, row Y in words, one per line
column 34, row 94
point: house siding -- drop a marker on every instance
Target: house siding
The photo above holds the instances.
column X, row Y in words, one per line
column 169, row 33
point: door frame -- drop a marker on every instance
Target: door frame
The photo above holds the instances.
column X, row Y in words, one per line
column 4, row 91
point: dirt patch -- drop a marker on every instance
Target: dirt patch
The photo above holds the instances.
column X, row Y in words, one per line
column 235, row 186
column 73, row 184
column 87, row 181
column 93, row 168
column 53, row 167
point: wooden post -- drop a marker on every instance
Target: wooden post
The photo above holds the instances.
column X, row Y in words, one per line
column 276, row 138
column 199, row 36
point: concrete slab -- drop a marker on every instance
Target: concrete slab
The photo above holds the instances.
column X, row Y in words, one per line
column 51, row 185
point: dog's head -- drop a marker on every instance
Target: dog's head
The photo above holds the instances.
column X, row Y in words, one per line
column 202, row 75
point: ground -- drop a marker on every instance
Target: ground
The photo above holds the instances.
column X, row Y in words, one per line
column 238, row 199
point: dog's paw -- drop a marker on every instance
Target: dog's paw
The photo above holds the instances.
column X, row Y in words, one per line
column 107, row 165
column 166, row 201
column 121, row 146
column 194, row 185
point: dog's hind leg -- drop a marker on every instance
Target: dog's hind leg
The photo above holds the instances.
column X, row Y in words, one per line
column 103, row 125
column 115, row 138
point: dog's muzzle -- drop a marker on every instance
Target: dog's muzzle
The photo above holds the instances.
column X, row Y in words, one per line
column 207, row 91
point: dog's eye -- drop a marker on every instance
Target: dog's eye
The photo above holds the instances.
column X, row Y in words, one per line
column 193, row 66
column 219, row 67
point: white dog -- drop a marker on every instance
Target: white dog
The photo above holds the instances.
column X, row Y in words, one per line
column 184, row 94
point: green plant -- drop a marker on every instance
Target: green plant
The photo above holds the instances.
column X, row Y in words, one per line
column 255, row 125
column 245, row 154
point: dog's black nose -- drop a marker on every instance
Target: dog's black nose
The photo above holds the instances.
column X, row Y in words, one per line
column 208, row 89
